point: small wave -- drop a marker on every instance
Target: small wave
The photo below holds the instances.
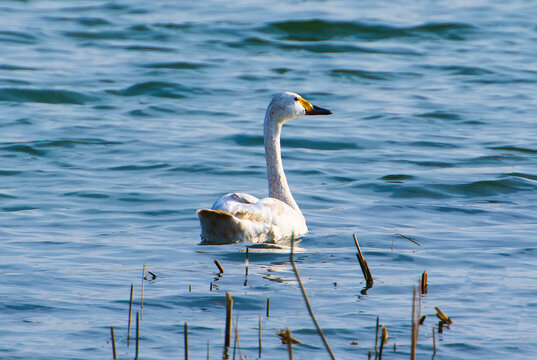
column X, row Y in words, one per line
column 324, row 47
column 512, row 148
column 87, row 194
column 371, row 75
column 139, row 167
column 180, row 65
column 22, row 148
column 522, row 175
column 140, row 32
column 149, row 48
column 461, row 70
column 158, row 89
column 68, row 143
column 397, row 177
column 488, row 187
column 49, row 96
column 251, row 140
column 322, row 30
column 15, row 67
column 84, row 20
column 17, row 37
column 440, row 115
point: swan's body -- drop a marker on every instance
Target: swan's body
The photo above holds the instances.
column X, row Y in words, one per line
column 239, row 217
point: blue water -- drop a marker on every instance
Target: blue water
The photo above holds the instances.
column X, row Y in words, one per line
column 120, row 119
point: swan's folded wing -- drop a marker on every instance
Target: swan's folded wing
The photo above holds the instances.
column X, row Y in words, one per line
column 249, row 219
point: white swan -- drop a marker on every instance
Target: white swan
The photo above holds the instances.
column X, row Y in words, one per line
column 239, row 217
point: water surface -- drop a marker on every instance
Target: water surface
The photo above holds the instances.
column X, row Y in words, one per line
column 121, row 118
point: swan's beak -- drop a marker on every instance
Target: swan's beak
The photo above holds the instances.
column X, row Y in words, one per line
column 315, row 110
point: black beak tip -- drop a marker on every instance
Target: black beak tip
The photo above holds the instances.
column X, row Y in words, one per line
column 316, row 110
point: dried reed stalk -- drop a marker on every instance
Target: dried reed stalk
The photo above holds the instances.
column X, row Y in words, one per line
column 246, row 262
column 142, row 300
column 268, row 306
column 413, row 336
column 384, row 341
column 137, row 335
column 260, row 347
column 424, row 282
column 220, row 268
column 363, row 264
column 113, row 339
column 289, row 343
column 308, row 305
column 130, row 316
column 377, row 338
column 229, row 316
column 443, row 317
column 434, row 343
column 186, row 340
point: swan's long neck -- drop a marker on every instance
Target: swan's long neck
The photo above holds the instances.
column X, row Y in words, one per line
column 278, row 187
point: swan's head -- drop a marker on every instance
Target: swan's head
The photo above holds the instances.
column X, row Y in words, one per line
column 288, row 105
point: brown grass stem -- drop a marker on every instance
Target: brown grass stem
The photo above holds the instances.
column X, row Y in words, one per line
column 308, row 305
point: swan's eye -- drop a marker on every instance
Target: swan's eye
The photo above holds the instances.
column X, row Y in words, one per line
column 296, row 99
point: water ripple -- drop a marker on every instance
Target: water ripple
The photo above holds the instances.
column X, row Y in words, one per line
column 322, row 30
column 50, row 96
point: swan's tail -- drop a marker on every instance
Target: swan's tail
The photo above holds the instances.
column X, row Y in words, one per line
column 219, row 227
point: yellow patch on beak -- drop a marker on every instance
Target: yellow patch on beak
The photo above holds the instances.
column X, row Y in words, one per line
column 305, row 103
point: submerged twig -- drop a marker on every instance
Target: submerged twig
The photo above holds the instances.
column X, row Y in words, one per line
column 406, row 237
column 308, row 305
